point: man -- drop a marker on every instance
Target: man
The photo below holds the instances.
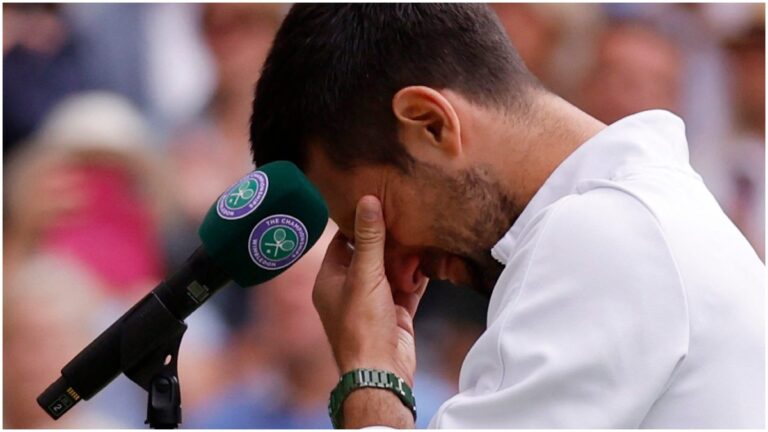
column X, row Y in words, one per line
column 620, row 294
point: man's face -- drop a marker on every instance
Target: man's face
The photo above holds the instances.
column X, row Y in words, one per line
column 438, row 225
column 635, row 70
column 239, row 37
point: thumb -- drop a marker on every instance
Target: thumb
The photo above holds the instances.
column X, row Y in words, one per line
column 370, row 234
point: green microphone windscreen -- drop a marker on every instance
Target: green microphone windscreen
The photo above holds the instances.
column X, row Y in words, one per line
column 264, row 223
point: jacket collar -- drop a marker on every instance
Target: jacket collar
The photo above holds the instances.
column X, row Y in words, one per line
column 640, row 139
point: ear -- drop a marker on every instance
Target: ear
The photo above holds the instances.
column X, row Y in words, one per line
column 428, row 125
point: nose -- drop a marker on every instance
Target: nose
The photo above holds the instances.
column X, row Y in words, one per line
column 402, row 270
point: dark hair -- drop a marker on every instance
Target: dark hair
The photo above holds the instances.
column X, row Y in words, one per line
column 334, row 68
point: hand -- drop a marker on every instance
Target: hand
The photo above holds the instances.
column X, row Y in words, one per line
column 367, row 325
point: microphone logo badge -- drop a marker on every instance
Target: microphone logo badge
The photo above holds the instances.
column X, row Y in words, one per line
column 277, row 242
column 243, row 197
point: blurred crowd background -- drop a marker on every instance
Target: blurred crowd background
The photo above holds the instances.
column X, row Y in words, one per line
column 123, row 122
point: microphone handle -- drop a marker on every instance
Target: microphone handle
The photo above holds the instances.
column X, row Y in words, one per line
column 149, row 324
column 192, row 285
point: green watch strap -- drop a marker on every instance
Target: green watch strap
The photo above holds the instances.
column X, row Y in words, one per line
column 366, row 378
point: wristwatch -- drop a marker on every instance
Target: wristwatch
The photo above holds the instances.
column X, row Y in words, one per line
column 363, row 378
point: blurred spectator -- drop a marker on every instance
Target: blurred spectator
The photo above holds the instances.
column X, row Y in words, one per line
column 534, row 32
column 747, row 52
column 704, row 85
column 213, row 151
column 552, row 39
column 636, row 69
column 110, row 35
column 733, row 165
column 42, row 63
column 178, row 69
column 88, row 188
column 151, row 53
column 41, row 335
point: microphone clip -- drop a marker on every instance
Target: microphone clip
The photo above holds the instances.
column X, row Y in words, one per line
column 158, row 374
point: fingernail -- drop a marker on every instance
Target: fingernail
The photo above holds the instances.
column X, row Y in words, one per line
column 369, row 210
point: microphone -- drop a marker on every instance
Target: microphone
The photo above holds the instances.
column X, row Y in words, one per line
column 255, row 230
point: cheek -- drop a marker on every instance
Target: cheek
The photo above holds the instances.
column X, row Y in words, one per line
column 409, row 223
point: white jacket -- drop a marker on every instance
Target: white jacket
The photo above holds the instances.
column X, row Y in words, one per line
column 628, row 300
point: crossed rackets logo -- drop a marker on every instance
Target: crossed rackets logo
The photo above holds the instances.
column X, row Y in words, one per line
column 280, row 244
column 241, row 196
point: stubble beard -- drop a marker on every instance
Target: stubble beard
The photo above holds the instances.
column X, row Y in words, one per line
column 474, row 214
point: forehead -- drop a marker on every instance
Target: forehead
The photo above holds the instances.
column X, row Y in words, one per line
column 343, row 188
